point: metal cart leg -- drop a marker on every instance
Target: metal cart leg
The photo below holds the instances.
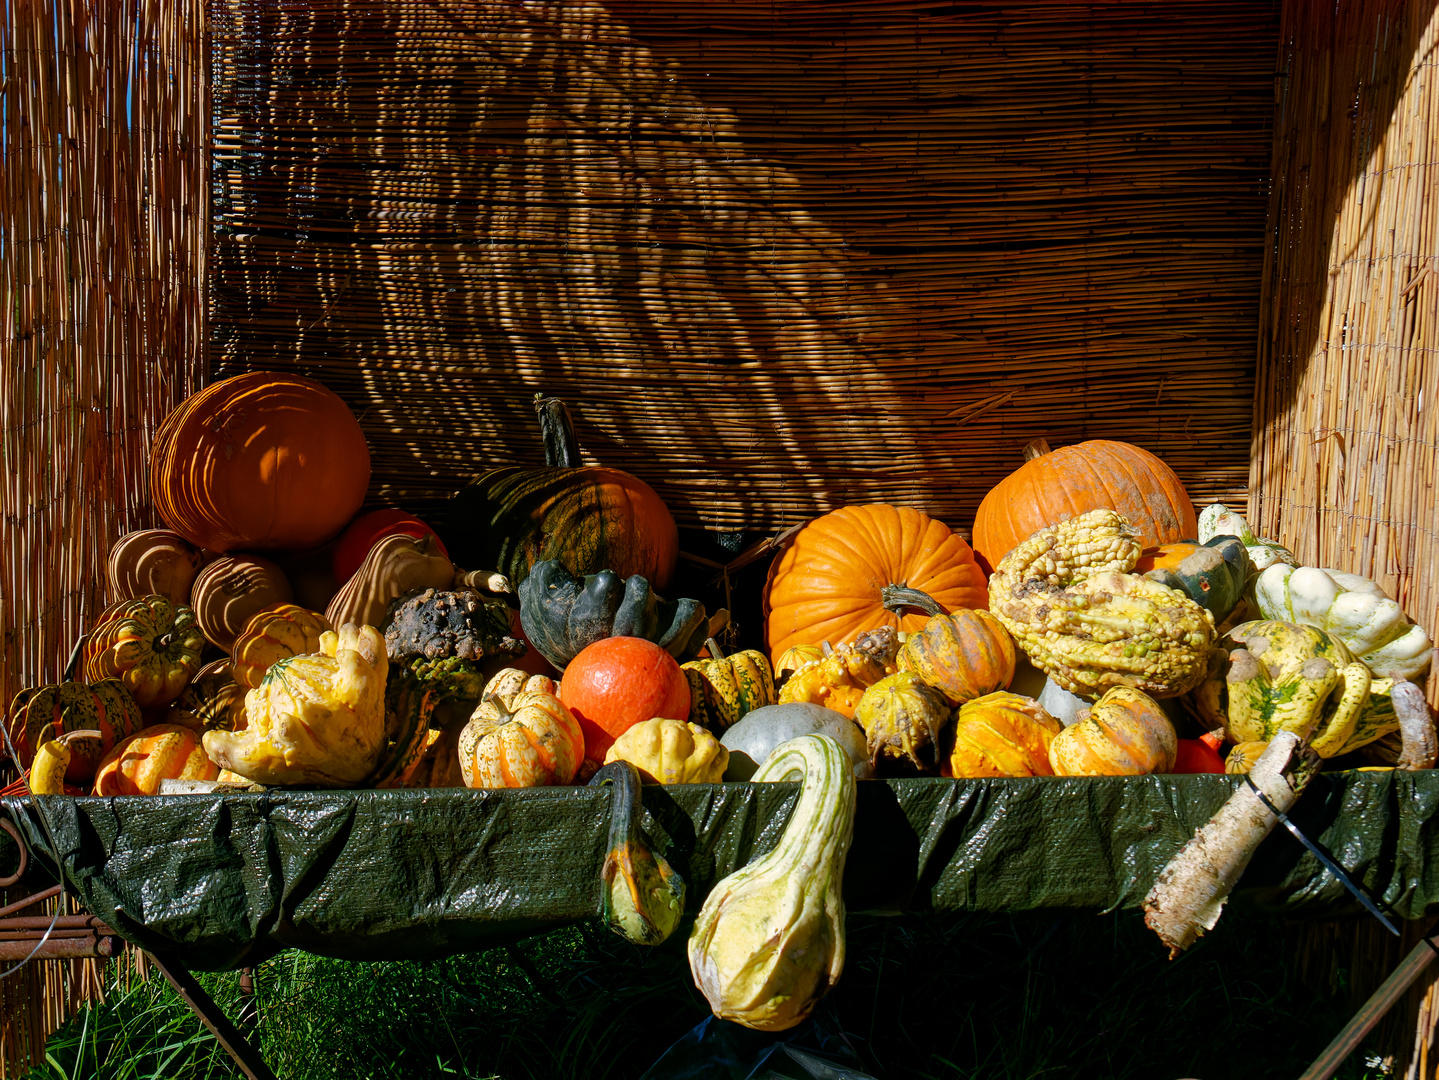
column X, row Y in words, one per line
column 203, row 1006
column 1352, row 1034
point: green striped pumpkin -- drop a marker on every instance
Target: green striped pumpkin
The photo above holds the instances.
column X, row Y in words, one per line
column 590, row 518
column 724, row 689
column 409, row 701
column 105, row 706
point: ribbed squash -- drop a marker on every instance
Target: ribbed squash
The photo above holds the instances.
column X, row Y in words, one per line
column 965, row 654
column 903, row 718
column 271, row 635
column 794, row 658
column 213, row 699
column 840, row 679
column 669, row 751
column 769, row 941
column 1242, row 756
column 1002, row 734
column 396, row 566
column 724, row 689
column 528, row 739
column 153, row 561
column 1125, row 734
column 104, row 706
column 231, row 590
column 160, row 752
column 149, row 644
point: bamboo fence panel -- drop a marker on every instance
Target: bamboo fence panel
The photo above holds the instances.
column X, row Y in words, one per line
column 1346, row 441
column 778, row 256
column 103, row 128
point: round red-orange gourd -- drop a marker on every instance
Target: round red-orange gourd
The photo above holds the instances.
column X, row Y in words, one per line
column 618, row 682
column 827, row 584
column 1054, row 485
column 262, row 462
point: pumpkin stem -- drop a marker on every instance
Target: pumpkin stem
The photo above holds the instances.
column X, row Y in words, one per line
column 506, row 713
column 557, row 433
column 74, row 662
column 898, row 597
column 1036, row 448
column 713, row 646
column 826, row 648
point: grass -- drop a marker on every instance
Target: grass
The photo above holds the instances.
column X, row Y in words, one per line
column 964, row 997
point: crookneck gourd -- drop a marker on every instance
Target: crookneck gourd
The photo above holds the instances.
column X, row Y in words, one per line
column 840, row 679
column 1069, row 600
column 724, row 689
column 562, row 613
column 769, row 940
column 641, row 896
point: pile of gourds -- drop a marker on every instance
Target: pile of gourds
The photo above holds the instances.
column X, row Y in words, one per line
column 274, row 633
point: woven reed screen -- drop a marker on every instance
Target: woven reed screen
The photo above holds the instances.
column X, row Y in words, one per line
column 778, row 256
column 103, row 127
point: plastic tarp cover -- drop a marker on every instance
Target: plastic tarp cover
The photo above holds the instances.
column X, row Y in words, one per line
column 223, row 881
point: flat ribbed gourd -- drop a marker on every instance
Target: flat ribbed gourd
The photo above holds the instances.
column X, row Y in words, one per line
column 1067, row 596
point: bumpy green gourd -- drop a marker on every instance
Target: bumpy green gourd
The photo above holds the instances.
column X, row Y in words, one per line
column 769, row 940
column 1068, row 599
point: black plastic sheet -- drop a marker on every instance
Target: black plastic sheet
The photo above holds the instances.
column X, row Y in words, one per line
column 225, row 881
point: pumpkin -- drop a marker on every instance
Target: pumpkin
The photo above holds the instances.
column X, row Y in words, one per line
column 828, row 585
column 212, row 700
column 260, row 462
column 1001, row 734
column 366, row 530
column 794, row 658
column 1199, row 755
column 231, row 590
column 590, row 517
column 395, row 566
column 840, row 679
column 903, row 719
column 159, row 752
column 618, row 682
column 274, row 633
column 725, row 688
column 527, row 739
column 1213, row 575
column 153, row 561
column 754, row 738
column 1054, row 485
column 61, row 708
column 1242, row 756
column 1125, row 734
column 149, row 644
column 562, row 613
column 965, row 655
column 671, row 752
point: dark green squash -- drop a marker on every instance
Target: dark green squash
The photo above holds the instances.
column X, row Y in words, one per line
column 1213, row 575
column 641, row 896
column 562, row 613
column 590, row 518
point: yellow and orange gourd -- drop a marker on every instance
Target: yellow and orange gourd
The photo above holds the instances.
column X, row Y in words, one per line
column 520, row 735
column 1002, row 734
column 159, row 752
column 1125, row 733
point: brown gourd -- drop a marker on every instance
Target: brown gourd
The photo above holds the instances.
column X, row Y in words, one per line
column 396, row 565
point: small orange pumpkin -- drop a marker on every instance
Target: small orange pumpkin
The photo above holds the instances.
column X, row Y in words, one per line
column 212, row 700
column 274, row 633
column 1125, row 733
column 159, row 752
column 525, row 739
column 964, row 654
column 1002, row 734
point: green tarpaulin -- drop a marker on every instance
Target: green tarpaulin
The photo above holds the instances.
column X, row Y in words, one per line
column 226, row 881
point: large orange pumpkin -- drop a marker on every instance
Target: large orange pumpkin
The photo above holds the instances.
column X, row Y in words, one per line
column 590, row 518
column 1053, row 485
column 262, row 461
column 827, row 585
column 619, row 682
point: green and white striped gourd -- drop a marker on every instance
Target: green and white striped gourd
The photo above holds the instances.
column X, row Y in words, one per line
column 769, row 941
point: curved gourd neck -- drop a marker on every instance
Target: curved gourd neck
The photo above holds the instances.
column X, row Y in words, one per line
column 819, row 828
column 557, row 433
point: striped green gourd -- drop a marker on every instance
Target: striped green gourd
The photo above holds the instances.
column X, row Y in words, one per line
column 724, row 689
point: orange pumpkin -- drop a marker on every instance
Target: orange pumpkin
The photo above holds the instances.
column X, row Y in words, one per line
column 1054, row 485
column 828, row 584
column 1002, row 734
column 839, row 679
column 964, row 655
column 231, row 590
column 153, row 561
column 262, row 461
column 160, row 752
column 618, row 682
column 1125, row 733
column 274, row 633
